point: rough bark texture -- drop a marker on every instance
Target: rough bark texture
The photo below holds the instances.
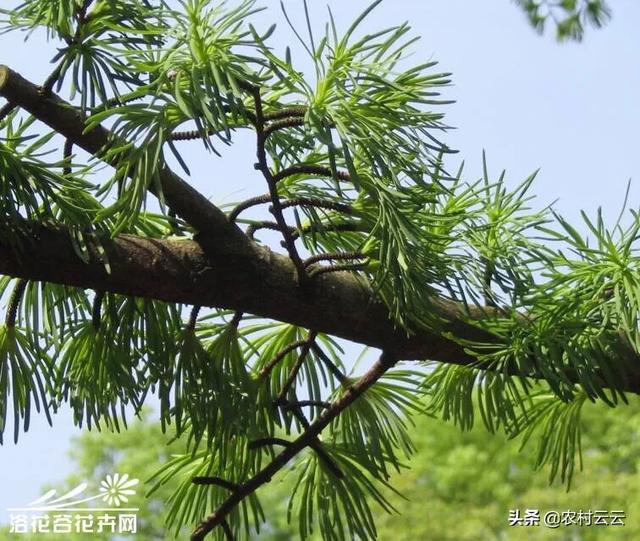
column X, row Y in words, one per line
column 261, row 283
column 223, row 268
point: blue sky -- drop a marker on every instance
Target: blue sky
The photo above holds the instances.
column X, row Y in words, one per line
column 571, row 110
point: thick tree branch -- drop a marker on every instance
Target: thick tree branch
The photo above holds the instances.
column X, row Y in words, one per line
column 69, row 122
column 234, row 273
column 179, row 270
column 261, row 283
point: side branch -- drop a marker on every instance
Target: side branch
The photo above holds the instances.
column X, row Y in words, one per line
column 310, row 169
column 276, row 206
column 306, row 439
column 218, row 481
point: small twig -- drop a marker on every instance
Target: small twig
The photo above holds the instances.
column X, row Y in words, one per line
column 310, row 169
column 338, row 268
column 116, row 101
column 96, row 310
column 263, row 167
column 82, row 11
column 291, row 122
column 264, row 442
column 489, row 269
column 309, row 342
column 320, row 203
column 49, row 82
column 193, row 318
column 311, row 228
column 14, row 302
column 218, row 481
column 327, row 228
column 333, row 256
column 256, row 226
column 306, row 403
column 294, row 202
column 191, row 135
column 252, row 202
column 235, row 320
column 227, row 530
column 66, row 154
column 294, row 110
column 187, row 135
column 266, row 370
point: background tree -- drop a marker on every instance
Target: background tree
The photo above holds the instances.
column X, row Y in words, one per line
column 97, row 454
column 468, row 480
column 513, row 310
column 568, row 16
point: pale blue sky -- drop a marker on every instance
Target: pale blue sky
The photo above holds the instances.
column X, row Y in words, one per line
column 572, row 110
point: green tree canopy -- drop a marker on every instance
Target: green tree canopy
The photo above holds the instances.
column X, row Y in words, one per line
column 458, row 486
column 568, row 16
column 518, row 318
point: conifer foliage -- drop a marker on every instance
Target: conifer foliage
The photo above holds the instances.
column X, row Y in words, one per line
column 518, row 318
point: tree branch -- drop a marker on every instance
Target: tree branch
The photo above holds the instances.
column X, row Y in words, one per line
column 218, row 481
column 304, row 351
column 261, row 283
column 14, row 302
column 384, row 363
column 69, row 122
column 279, row 356
column 264, row 442
column 96, row 310
column 276, row 206
column 244, row 205
column 223, row 268
column 310, row 169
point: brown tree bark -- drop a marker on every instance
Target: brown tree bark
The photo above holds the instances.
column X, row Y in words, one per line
column 223, row 268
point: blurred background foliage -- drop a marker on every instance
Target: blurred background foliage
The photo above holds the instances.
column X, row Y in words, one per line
column 459, row 486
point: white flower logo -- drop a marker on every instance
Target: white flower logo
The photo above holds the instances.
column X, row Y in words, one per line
column 116, row 489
